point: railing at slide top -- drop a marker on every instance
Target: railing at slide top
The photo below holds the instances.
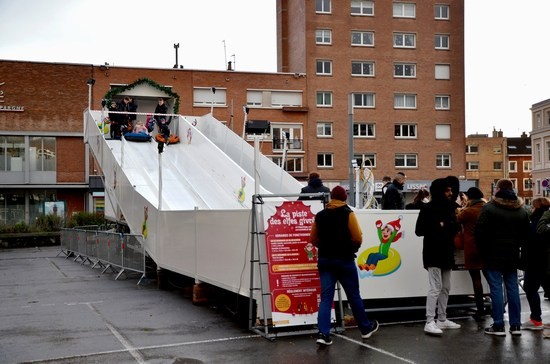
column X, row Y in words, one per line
column 120, row 253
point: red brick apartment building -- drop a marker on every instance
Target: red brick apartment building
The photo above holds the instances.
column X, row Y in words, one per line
column 402, row 63
column 520, row 165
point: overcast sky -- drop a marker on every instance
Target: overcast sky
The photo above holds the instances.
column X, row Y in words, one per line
column 507, row 47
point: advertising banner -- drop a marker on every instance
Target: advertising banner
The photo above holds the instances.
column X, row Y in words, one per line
column 293, row 278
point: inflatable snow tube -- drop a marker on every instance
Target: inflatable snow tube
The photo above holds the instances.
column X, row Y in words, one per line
column 137, row 137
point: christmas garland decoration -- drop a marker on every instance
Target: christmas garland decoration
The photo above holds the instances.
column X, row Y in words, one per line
column 116, row 90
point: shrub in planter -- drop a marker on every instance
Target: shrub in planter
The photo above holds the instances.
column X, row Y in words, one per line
column 83, row 218
column 47, row 223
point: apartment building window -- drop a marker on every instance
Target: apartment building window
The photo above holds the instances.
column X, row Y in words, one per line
column 366, row 159
column 548, row 151
column 538, row 155
column 472, row 166
column 324, row 67
column 441, row 11
column 42, row 154
column 362, row 38
column 407, row 70
column 527, row 184
column 12, row 153
column 363, row 130
column 443, row 131
column 404, row 40
column 527, row 166
column 404, row 101
column 324, row 129
column 362, row 7
column 324, row 160
column 441, row 41
column 291, row 134
column 470, row 148
column 363, row 99
column 323, row 6
column 497, row 165
column 324, row 98
column 442, row 72
column 538, row 120
column 323, row 36
column 514, row 182
column 442, row 102
column 292, row 164
column 273, row 99
column 406, row 160
column 405, row 131
column 512, row 166
column 404, row 10
column 362, row 68
column 203, row 96
column 443, row 160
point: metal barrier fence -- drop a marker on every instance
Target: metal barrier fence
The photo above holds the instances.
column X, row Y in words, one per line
column 117, row 252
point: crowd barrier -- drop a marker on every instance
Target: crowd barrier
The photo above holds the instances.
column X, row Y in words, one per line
column 120, row 253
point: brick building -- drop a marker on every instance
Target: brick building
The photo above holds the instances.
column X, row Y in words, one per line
column 402, row 62
column 520, row 165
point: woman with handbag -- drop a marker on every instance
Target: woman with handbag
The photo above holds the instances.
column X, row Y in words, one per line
column 467, row 216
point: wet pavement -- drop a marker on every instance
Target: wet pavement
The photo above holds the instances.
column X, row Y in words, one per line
column 54, row 310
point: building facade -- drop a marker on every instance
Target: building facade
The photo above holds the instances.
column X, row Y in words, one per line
column 519, row 167
column 400, row 64
column 540, row 143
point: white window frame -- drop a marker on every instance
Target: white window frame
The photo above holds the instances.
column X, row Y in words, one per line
column 294, row 133
column 527, row 184
column 362, row 7
column 365, row 38
column 409, row 160
column 527, row 166
column 538, row 153
column 326, row 98
column 472, row 166
column 327, row 160
column 442, row 71
column 322, row 5
column 442, row 11
column 512, row 166
column 296, row 161
column 367, row 100
column 405, row 131
column 323, row 36
column 362, row 64
column 403, row 10
column 282, row 98
column 404, row 40
column 547, row 152
column 442, row 41
column 496, row 164
column 363, row 157
column 322, row 127
column 443, row 131
column 442, row 102
column 472, row 149
column 324, row 63
column 364, row 130
column 443, row 160
column 514, row 183
column 203, row 96
column 404, row 70
column 404, row 101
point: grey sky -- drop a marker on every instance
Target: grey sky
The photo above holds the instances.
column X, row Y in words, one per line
column 506, row 44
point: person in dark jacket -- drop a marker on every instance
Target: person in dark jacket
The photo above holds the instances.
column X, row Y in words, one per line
column 393, row 197
column 422, row 197
column 502, row 229
column 162, row 121
column 467, row 216
column 314, row 185
column 438, row 225
column 125, row 118
column 535, row 264
column 337, row 236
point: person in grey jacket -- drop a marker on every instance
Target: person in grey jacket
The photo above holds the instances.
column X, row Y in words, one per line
column 502, row 229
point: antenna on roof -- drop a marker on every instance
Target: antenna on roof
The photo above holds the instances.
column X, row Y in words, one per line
column 224, row 53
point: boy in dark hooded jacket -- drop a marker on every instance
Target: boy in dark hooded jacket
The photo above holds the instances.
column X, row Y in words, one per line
column 438, row 225
column 314, row 185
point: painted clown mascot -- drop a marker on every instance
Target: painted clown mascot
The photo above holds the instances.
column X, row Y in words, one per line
column 388, row 234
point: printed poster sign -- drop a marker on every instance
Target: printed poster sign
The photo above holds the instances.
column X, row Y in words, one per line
column 293, row 276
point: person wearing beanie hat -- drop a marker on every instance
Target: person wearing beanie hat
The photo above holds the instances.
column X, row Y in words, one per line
column 337, row 236
column 467, row 216
column 314, row 185
column 437, row 223
column 502, row 229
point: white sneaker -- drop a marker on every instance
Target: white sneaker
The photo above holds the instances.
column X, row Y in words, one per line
column 432, row 329
column 447, row 324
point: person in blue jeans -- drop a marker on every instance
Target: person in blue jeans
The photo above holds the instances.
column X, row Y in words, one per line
column 502, row 228
column 337, row 236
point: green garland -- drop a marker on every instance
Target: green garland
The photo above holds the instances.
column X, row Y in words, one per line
column 116, row 90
